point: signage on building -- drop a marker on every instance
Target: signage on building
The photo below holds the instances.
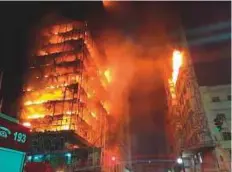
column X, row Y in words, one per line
column 13, row 136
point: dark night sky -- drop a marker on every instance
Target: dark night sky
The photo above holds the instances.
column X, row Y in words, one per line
column 18, row 18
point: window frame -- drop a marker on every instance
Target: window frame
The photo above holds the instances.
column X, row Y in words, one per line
column 215, row 99
column 226, row 136
column 229, row 97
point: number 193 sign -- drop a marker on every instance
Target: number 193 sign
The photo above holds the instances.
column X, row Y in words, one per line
column 13, row 136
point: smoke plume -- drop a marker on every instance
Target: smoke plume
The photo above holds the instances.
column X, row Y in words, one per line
column 136, row 53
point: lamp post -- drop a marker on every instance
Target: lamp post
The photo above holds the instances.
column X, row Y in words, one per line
column 181, row 162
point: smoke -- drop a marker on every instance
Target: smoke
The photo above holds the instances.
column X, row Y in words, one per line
column 135, row 72
column 121, row 54
column 136, row 51
column 135, row 92
column 136, row 60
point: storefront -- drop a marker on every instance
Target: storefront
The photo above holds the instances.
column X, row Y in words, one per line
column 14, row 143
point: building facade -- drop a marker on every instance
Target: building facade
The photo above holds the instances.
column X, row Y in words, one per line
column 65, row 101
column 189, row 79
column 217, row 105
column 186, row 121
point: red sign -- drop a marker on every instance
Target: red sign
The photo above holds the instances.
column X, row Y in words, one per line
column 13, row 136
column 38, row 167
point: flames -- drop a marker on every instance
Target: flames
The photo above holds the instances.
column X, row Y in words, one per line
column 177, row 61
column 110, row 5
column 108, row 75
column 107, row 4
column 66, row 92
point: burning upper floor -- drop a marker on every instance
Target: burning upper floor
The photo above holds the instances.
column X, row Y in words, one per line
column 177, row 63
column 66, row 85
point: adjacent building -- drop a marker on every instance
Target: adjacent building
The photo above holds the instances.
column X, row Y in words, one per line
column 216, row 100
column 197, row 78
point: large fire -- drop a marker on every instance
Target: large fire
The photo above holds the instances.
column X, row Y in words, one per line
column 177, row 61
column 108, row 75
column 64, row 89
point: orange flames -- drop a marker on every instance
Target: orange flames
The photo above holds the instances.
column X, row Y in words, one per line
column 107, row 3
column 108, row 75
column 177, row 61
column 61, row 95
column 110, row 5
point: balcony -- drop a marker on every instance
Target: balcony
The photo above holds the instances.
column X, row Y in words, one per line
column 225, row 144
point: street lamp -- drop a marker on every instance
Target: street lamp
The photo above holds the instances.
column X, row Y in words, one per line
column 179, row 160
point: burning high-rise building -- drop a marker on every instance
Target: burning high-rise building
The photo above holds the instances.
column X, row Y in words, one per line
column 65, row 101
column 62, row 82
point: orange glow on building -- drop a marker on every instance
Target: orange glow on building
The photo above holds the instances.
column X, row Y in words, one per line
column 63, row 89
column 107, row 3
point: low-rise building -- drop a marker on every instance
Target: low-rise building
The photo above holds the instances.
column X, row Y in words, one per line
column 216, row 101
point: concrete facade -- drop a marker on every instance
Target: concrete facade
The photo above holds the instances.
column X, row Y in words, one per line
column 205, row 74
column 216, row 101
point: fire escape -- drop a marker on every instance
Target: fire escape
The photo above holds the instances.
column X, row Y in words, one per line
column 187, row 121
column 194, row 132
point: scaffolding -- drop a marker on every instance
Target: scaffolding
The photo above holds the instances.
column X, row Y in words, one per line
column 64, row 89
column 65, row 101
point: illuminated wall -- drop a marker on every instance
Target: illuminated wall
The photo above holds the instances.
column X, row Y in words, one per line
column 65, row 88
